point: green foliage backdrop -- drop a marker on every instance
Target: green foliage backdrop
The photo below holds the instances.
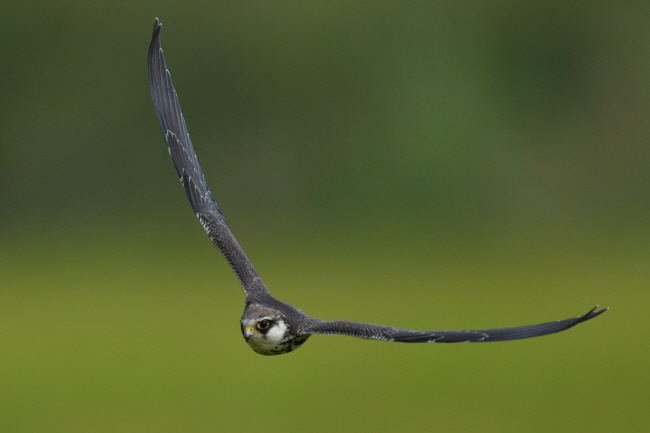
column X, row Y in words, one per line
column 420, row 164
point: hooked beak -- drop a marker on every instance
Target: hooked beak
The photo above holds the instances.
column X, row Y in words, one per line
column 248, row 333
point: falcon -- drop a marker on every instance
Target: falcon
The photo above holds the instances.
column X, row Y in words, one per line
column 270, row 326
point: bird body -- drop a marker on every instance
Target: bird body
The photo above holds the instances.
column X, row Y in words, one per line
column 270, row 326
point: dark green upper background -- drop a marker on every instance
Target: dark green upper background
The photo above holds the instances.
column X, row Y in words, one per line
column 487, row 115
column 464, row 164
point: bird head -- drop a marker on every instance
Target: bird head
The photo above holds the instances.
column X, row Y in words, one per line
column 268, row 332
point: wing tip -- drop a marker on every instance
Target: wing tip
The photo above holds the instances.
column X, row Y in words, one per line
column 593, row 313
column 157, row 25
column 154, row 45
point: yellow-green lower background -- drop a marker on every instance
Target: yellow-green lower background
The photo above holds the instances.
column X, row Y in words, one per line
column 417, row 164
column 135, row 333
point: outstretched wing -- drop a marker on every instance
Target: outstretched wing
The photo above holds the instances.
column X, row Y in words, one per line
column 187, row 166
column 387, row 333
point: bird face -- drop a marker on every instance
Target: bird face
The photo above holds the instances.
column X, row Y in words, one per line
column 265, row 335
column 268, row 332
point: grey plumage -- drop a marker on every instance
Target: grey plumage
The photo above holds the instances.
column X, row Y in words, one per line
column 270, row 326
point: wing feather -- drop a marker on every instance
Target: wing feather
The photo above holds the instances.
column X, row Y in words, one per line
column 189, row 170
column 388, row 333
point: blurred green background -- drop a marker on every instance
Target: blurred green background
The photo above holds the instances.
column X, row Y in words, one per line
column 419, row 164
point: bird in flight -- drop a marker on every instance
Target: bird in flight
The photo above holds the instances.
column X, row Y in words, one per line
column 270, row 326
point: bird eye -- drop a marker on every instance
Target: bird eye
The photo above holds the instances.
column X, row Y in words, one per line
column 263, row 324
